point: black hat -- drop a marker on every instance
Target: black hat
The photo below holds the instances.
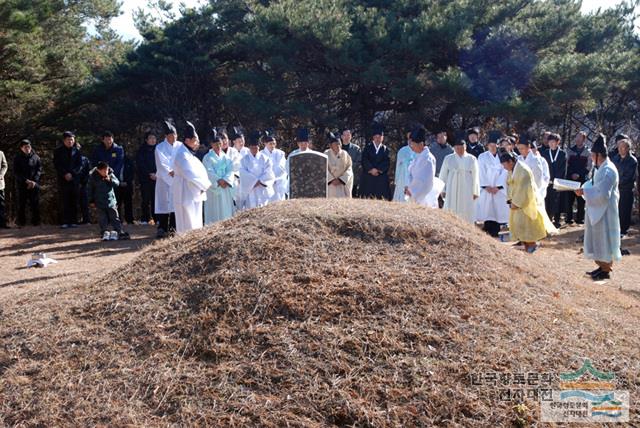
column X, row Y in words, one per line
column 419, row 134
column 506, row 156
column 377, row 129
column 459, row 136
column 332, row 138
column 68, row 134
column 268, row 136
column 24, row 142
column 474, row 130
column 191, row 131
column 302, row 135
column 621, row 137
column 600, row 145
column 169, row 128
column 236, row 132
column 525, row 139
column 494, row 136
column 213, row 136
column 254, row 139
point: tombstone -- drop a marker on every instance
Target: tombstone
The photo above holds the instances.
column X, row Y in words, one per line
column 308, row 175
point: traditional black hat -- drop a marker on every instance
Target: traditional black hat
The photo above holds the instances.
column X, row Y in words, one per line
column 254, row 139
column 236, row 132
column 526, row 140
column 268, row 136
column 474, row 130
column 506, row 156
column 213, row 136
column 23, row 143
column 68, row 134
column 377, row 129
column 494, row 136
column 600, row 145
column 332, row 138
column 419, row 134
column 621, row 137
column 191, row 131
column 460, row 136
column 169, row 128
column 302, row 135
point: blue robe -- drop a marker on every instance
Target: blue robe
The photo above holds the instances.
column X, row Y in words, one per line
column 219, row 203
column 403, row 160
column 602, row 228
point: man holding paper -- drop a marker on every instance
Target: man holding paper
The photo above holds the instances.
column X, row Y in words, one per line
column 602, row 225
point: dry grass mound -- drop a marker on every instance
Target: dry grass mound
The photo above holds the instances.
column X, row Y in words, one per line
column 305, row 313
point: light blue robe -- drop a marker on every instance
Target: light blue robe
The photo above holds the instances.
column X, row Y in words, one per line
column 602, row 228
column 403, row 160
column 219, row 203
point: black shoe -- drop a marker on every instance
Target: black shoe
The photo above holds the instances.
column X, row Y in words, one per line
column 594, row 272
column 580, row 222
column 601, row 276
column 161, row 234
column 124, row 236
column 569, row 222
column 557, row 225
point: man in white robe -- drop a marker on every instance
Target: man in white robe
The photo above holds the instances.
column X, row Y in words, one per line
column 279, row 165
column 423, row 187
column 164, row 154
column 190, row 184
column 256, row 176
column 404, row 157
column 492, row 208
column 602, row 225
column 339, row 169
column 537, row 164
column 219, row 204
column 236, row 152
column 459, row 173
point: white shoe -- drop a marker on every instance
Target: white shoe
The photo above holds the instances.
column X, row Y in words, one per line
column 106, row 235
column 114, row 236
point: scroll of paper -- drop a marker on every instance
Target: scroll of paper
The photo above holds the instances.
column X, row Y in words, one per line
column 561, row 185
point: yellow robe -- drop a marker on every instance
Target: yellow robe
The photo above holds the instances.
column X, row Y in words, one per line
column 528, row 223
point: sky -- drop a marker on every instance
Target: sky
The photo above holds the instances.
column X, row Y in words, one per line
column 125, row 27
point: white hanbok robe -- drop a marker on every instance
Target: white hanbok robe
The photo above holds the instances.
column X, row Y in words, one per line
column 461, row 184
column 339, row 167
column 492, row 174
column 219, row 204
column 236, row 156
column 189, row 189
column 164, row 153
column 602, row 228
column 537, row 165
column 256, row 169
column 279, row 165
column 404, row 157
column 422, row 182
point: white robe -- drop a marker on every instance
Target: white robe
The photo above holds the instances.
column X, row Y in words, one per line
column 279, row 165
column 253, row 170
column 537, row 165
column 602, row 225
column 164, row 154
column 404, row 157
column 219, row 203
column 236, row 156
column 422, row 182
column 492, row 174
column 189, row 189
column 339, row 167
column 461, row 181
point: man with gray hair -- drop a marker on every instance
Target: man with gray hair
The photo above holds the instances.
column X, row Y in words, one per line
column 627, row 166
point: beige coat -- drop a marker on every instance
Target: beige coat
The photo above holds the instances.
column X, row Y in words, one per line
column 340, row 167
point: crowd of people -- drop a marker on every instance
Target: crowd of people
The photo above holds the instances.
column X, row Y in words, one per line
column 507, row 182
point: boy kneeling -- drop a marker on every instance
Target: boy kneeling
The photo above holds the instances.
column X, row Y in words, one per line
column 102, row 196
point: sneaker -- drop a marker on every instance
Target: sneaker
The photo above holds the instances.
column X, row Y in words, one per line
column 124, row 236
column 113, row 236
column 64, row 226
column 106, row 235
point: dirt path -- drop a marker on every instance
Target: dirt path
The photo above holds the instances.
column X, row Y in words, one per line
column 81, row 255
